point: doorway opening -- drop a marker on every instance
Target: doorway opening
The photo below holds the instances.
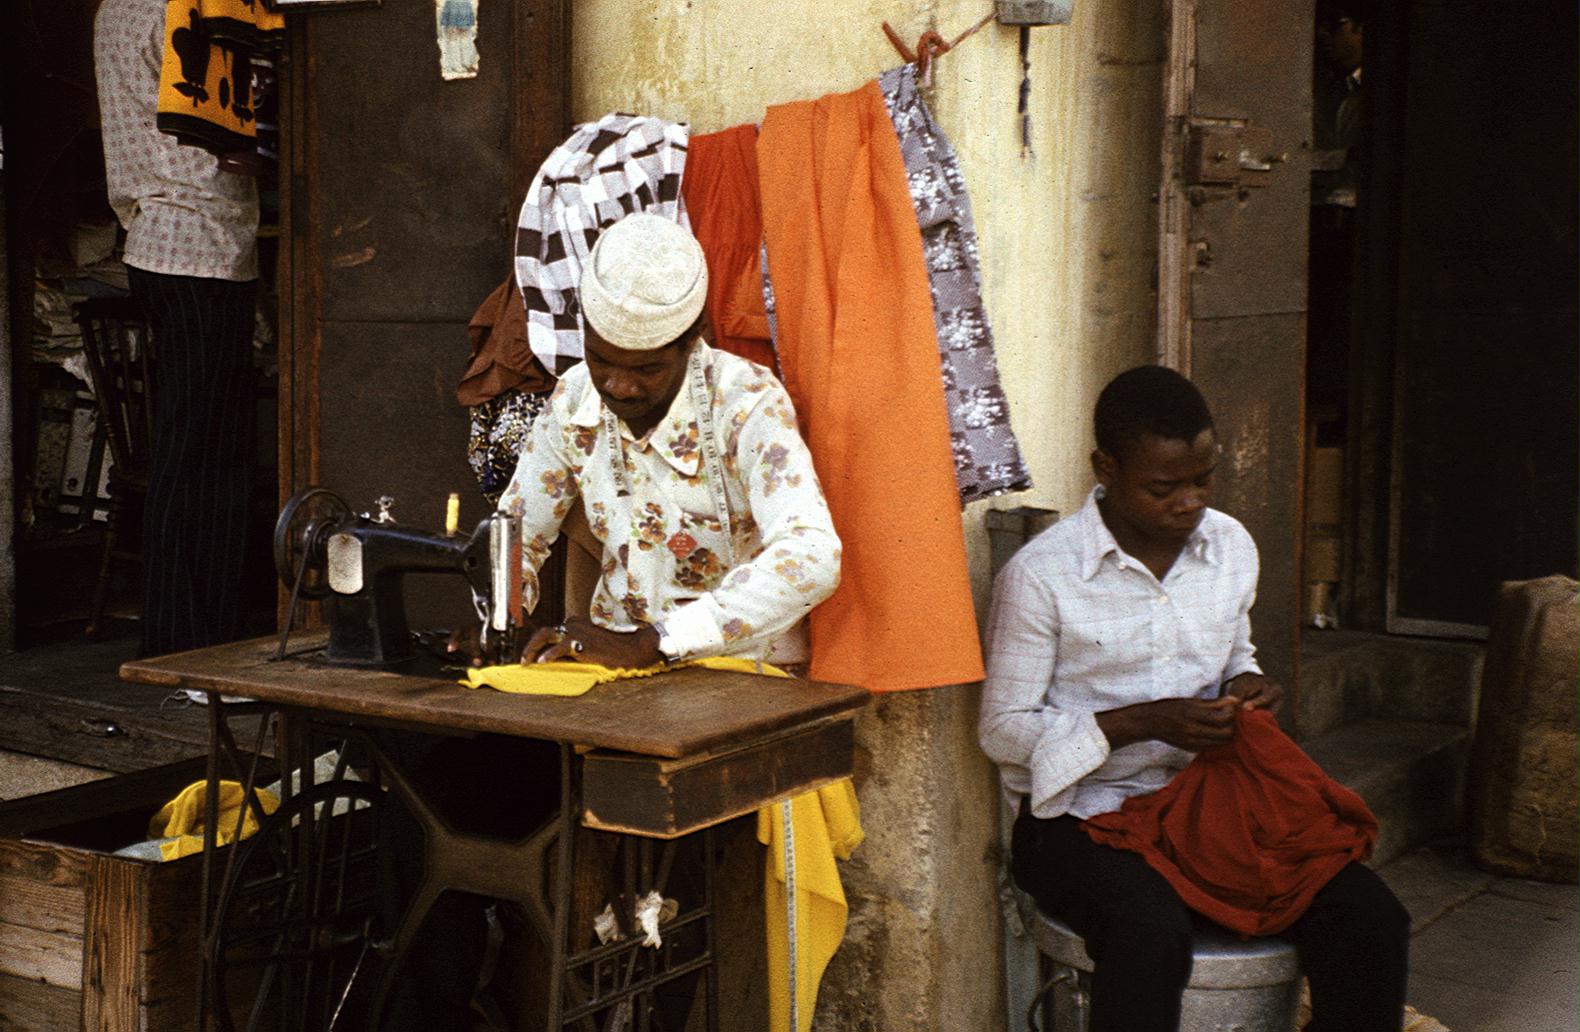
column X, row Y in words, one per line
column 60, row 490
column 1441, row 359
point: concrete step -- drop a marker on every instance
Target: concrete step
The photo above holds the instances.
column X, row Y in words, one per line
column 1347, row 676
column 1410, row 772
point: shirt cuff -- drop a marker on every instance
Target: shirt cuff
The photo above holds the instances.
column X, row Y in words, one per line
column 694, row 630
column 1250, row 666
column 1061, row 763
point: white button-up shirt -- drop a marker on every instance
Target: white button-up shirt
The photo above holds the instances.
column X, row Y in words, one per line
column 1079, row 627
column 666, row 555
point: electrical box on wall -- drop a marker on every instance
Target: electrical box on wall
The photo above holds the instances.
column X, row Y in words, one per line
column 1035, row 12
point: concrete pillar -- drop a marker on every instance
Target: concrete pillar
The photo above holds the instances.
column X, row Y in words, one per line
column 921, row 949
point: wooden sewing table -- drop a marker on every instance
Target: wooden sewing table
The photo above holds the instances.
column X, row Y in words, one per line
column 652, row 758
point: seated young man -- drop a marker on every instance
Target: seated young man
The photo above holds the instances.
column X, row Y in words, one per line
column 1119, row 645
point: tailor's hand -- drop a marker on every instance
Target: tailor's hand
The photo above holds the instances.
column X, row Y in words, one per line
column 1255, row 691
column 464, row 644
column 584, row 640
column 1191, row 724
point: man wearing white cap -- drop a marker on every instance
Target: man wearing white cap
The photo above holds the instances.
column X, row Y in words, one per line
column 716, row 538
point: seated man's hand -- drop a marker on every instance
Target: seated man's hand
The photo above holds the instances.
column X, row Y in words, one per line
column 1192, row 724
column 583, row 640
column 1255, row 691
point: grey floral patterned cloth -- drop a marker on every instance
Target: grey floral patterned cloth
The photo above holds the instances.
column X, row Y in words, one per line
column 987, row 456
column 500, row 427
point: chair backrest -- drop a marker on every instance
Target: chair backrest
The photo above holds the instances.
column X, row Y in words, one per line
column 119, row 346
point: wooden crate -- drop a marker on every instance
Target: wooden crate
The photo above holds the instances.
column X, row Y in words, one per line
column 90, row 940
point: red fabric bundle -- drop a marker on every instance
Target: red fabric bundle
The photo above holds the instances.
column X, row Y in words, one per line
column 1249, row 832
column 726, row 217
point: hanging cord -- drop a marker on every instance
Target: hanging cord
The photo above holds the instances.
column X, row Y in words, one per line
column 929, row 47
column 1024, row 108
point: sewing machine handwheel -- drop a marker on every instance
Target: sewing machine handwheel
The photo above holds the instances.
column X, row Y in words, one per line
column 299, row 534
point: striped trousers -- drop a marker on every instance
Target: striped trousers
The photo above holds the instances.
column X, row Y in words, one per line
column 203, row 438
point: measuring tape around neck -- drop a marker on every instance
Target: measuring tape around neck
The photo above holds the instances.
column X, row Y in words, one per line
column 708, row 442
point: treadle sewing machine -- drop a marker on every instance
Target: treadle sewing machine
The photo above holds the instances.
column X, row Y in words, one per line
column 295, row 934
column 357, row 565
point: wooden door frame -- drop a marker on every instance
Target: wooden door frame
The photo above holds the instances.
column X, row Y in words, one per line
column 1272, row 312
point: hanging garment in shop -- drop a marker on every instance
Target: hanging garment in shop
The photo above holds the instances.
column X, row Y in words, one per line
column 1249, row 832
column 603, row 172
column 504, row 386
column 987, row 456
column 859, row 354
column 721, row 192
column 206, row 81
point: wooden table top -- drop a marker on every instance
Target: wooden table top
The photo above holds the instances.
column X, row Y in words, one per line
column 673, row 714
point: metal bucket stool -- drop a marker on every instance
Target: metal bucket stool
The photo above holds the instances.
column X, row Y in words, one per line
column 1249, row 985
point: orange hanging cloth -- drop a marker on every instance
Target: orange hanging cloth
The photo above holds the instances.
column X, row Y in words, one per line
column 1249, row 832
column 859, row 355
column 720, row 187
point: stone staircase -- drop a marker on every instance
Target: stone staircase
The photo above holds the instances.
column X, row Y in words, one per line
column 1391, row 718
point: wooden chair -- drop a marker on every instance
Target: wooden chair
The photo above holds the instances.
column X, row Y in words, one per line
column 119, row 346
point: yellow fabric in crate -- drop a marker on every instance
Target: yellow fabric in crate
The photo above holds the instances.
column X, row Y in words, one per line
column 568, row 678
column 182, row 818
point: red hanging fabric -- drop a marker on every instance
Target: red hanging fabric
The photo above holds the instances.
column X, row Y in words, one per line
column 720, row 187
column 1249, row 832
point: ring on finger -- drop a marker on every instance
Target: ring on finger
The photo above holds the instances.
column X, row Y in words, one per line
column 577, row 646
column 562, row 630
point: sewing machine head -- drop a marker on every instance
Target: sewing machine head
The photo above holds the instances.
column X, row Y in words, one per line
column 356, row 565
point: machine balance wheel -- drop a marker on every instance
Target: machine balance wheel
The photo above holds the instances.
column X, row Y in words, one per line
column 301, row 536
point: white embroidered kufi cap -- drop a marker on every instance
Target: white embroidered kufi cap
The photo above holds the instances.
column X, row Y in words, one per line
column 644, row 282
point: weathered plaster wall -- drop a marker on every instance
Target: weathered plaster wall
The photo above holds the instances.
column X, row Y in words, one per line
column 1068, row 244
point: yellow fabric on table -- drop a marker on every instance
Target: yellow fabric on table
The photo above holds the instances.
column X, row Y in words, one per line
column 181, row 819
column 568, row 678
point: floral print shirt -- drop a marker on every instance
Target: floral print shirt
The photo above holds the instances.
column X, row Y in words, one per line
column 665, row 553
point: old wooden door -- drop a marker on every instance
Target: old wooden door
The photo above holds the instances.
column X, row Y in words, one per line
column 1232, row 268
column 399, row 213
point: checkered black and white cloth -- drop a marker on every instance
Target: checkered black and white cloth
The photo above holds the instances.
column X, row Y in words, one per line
column 605, row 171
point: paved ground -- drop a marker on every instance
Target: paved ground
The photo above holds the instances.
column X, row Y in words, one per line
column 1488, row 954
column 22, row 775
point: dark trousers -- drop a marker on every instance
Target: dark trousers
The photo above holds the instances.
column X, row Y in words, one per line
column 1353, row 942
column 195, row 518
